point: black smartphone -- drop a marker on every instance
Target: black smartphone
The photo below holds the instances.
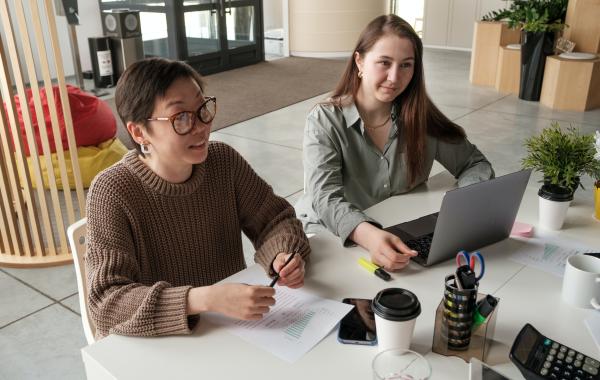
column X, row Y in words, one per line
column 358, row 326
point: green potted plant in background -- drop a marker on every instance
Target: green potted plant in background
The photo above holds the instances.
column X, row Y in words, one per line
column 539, row 21
column 562, row 156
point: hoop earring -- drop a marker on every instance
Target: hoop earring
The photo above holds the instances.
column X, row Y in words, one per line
column 360, row 74
column 145, row 148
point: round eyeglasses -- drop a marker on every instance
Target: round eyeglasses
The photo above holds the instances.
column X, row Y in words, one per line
column 184, row 121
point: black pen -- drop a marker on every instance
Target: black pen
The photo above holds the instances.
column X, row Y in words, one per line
column 284, row 265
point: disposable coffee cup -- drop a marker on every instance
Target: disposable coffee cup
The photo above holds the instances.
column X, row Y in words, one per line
column 396, row 311
column 553, row 209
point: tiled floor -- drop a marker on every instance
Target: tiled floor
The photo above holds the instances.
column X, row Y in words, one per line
column 40, row 329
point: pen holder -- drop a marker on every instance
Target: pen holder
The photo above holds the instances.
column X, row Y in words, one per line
column 446, row 329
column 457, row 316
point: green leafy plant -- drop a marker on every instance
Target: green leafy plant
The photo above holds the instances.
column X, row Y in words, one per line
column 532, row 15
column 562, row 156
column 542, row 20
column 499, row 15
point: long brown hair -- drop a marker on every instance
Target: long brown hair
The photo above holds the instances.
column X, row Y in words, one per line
column 418, row 113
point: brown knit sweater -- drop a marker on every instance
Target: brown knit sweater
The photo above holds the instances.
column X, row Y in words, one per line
column 150, row 241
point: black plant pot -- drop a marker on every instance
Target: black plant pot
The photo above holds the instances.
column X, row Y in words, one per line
column 535, row 47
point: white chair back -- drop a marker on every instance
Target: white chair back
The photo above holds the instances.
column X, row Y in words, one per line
column 76, row 233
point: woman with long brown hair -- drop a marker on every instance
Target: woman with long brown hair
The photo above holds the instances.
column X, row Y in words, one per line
column 377, row 136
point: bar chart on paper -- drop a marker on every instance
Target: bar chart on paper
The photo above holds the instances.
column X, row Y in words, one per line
column 296, row 329
column 296, row 323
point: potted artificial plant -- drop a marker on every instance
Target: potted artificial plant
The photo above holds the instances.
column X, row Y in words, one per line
column 562, row 156
column 538, row 20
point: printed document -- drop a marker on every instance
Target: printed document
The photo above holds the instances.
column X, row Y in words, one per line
column 548, row 255
column 294, row 325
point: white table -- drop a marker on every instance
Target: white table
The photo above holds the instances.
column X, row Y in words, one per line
column 527, row 295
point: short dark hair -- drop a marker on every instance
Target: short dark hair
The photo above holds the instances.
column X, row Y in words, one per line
column 145, row 81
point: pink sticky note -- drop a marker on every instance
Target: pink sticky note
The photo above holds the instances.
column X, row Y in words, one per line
column 522, row 230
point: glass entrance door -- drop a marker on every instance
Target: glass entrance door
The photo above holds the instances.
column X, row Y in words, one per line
column 211, row 35
column 223, row 34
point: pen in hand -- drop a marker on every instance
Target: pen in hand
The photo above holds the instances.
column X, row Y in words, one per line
column 276, row 278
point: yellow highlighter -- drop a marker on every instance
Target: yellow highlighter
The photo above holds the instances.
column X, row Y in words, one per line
column 374, row 269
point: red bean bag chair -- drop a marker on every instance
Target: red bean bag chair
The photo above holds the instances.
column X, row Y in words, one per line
column 93, row 120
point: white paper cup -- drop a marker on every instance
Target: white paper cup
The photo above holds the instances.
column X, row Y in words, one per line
column 396, row 311
column 581, row 283
column 552, row 213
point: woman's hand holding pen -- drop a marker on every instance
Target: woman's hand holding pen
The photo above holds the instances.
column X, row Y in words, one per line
column 290, row 274
column 248, row 302
column 386, row 250
column 240, row 301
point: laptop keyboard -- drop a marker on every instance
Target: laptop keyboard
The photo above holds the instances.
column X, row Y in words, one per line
column 421, row 245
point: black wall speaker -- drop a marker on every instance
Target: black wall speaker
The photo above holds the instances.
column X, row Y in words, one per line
column 122, row 23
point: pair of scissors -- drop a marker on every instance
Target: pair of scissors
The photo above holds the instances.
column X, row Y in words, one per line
column 470, row 260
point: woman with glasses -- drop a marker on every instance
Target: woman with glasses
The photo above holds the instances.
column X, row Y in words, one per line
column 376, row 137
column 164, row 224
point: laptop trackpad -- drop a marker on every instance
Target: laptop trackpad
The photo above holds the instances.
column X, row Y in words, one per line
column 415, row 228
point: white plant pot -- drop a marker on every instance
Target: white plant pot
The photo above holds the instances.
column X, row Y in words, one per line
column 552, row 213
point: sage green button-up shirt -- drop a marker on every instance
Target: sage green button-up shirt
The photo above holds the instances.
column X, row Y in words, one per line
column 345, row 173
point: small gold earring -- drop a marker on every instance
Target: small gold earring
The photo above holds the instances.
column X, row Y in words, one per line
column 360, row 74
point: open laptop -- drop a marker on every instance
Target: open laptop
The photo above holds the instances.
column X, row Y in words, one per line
column 471, row 217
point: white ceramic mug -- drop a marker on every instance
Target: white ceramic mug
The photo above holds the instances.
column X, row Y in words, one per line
column 581, row 284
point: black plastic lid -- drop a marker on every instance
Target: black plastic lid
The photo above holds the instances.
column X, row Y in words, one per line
column 555, row 193
column 395, row 304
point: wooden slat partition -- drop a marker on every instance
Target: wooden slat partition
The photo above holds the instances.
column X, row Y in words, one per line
column 11, row 208
column 62, row 86
column 26, row 216
column 6, row 240
column 39, row 35
column 33, row 230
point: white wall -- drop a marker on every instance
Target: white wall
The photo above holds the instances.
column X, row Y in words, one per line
column 89, row 26
column 20, row 38
column 450, row 23
column 330, row 28
column 273, row 14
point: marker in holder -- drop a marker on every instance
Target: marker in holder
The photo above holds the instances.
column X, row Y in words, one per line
column 459, row 331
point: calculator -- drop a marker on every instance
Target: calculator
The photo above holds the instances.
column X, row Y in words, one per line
column 539, row 357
